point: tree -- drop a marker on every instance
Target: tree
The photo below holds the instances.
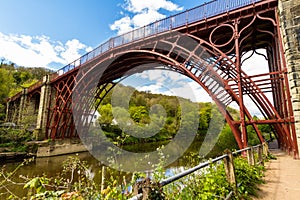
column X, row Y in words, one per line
column 13, row 79
column 106, row 115
column 139, row 114
column 2, row 113
column 226, row 140
column 6, row 81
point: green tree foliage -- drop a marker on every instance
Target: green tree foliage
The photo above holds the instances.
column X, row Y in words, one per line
column 226, row 140
column 13, row 139
column 106, row 116
column 21, row 76
column 13, row 79
column 160, row 114
column 2, row 112
column 139, row 114
column 163, row 114
column 6, row 80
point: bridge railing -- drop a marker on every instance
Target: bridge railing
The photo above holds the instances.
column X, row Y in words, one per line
column 262, row 153
column 198, row 13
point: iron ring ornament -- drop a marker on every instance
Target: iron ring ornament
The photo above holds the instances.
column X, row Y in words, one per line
column 226, row 42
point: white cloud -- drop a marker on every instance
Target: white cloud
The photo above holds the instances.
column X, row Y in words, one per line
column 156, row 89
column 155, row 75
column 199, row 93
column 39, row 51
column 255, row 65
column 168, row 83
column 146, row 17
column 144, row 12
column 71, row 50
column 137, row 6
column 186, row 89
column 122, row 25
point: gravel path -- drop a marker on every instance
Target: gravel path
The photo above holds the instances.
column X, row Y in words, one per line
column 282, row 178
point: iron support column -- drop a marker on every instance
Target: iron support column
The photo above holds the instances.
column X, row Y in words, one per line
column 240, row 87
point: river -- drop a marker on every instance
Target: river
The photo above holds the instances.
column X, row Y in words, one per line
column 52, row 166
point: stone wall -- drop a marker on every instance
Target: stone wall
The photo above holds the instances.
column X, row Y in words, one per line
column 289, row 13
column 59, row 147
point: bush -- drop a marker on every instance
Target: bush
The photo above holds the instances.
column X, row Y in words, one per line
column 212, row 184
column 14, row 139
column 248, row 176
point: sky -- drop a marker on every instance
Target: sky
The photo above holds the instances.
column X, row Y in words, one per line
column 53, row 33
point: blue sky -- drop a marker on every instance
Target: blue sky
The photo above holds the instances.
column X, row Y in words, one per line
column 52, row 33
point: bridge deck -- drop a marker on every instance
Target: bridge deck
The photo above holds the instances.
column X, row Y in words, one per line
column 282, row 178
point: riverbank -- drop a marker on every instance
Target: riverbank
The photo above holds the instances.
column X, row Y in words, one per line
column 41, row 149
column 14, row 156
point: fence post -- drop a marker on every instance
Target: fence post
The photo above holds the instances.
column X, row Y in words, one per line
column 250, row 156
column 143, row 187
column 229, row 170
column 146, row 188
column 260, row 154
column 103, row 178
column 265, row 149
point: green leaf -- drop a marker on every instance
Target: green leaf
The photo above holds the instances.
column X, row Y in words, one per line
column 32, row 183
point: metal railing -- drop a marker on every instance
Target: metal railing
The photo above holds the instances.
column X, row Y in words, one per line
column 202, row 165
column 191, row 170
column 262, row 150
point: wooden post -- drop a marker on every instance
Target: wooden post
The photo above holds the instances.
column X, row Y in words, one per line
column 146, row 188
column 265, row 149
column 143, row 187
column 103, row 178
column 136, row 189
column 260, row 155
column 250, row 156
column 229, row 170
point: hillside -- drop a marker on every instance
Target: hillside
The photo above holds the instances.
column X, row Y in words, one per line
column 13, row 79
